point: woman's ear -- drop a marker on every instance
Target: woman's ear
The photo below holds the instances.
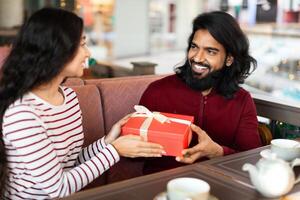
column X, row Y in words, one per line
column 229, row 60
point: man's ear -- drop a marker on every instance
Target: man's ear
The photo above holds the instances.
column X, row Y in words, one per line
column 229, row 60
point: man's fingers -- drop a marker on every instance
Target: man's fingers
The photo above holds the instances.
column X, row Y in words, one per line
column 189, row 159
column 197, row 130
column 192, row 150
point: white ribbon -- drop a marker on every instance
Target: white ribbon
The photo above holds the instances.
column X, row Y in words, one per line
column 142, row 111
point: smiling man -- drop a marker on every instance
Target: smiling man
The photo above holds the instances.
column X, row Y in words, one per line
column 207, row 87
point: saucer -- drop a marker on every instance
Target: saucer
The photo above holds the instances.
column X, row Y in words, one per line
column 163, row 196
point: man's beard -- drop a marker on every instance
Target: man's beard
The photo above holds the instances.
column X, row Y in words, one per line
column 202, row 84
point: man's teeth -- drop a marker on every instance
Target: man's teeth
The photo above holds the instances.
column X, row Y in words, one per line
column 201, row 67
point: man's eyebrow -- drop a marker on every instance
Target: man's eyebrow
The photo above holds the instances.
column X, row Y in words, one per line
column 207, row 48
column 212, row 49
column 193, row 43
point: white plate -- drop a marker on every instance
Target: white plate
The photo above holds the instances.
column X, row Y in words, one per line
column 163, row 196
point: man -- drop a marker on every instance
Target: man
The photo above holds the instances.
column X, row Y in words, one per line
column 207, row 87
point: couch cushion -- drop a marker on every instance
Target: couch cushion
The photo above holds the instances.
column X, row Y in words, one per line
column 91, row 106
column 93, row 125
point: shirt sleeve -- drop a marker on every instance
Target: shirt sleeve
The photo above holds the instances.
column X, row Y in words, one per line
column 43, row 165
column 247, row 136
column 90, row 151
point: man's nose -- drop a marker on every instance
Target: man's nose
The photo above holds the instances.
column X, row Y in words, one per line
column 199, row 56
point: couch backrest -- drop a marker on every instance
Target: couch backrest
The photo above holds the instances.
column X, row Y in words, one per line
column 119, row 95
column 73, row 82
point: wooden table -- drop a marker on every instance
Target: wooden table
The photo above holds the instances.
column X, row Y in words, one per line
column 224, row 175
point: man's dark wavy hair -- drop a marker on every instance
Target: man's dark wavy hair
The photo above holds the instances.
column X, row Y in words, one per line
column 224, row 29
column 45, row 44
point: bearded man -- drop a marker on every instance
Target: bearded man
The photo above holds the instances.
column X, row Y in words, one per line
column 207, row 86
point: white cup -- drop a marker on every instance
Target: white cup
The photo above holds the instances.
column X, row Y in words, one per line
column 285, row 149
column 187, row 189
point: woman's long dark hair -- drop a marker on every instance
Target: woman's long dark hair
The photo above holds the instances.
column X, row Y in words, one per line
column 224, row 28
column 44, row 45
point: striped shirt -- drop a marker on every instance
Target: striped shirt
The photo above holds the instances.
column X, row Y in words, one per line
column 44, row 149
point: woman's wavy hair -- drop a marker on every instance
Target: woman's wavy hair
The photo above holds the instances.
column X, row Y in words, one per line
column 224, row 29
column 44, row 45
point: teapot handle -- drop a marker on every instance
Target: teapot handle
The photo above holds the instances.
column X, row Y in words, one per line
column 296, row 162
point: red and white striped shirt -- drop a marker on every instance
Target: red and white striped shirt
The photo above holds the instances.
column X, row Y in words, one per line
column 44, row 149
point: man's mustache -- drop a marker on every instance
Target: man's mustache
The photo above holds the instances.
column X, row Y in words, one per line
column 193, row 62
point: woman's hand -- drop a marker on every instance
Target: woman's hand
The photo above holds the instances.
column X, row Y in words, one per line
column 116, row 130
column 134, row 146
column 206, row 147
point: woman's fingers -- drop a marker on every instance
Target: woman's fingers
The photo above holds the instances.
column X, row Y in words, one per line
column 143, row 143
column 149, row 145
column 135, row 146
column 124, row 119
column 145, row 152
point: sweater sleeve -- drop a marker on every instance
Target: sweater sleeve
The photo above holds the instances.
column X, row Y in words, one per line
column 90, row 151
column 25, row 133
column 247, row 136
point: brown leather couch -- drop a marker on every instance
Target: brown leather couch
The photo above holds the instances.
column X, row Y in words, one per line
column 103, row 102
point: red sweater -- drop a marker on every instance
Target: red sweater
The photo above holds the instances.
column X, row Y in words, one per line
column 232, row 123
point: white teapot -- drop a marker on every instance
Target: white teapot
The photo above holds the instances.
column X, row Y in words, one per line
column 272, row 176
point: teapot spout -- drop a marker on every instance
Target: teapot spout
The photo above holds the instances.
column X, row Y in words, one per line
column 250, row 168
column 253, row 172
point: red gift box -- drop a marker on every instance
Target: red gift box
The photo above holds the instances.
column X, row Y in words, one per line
column 174, row 135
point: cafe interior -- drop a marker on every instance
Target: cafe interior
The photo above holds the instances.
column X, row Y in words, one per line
column 136, row 42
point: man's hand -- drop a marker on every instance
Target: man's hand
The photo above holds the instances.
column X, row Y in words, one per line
column 206, row 147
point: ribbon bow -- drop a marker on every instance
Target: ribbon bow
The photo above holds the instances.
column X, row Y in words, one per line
column 142, row 111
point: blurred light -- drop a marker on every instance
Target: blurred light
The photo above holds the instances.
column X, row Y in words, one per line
column 284, row 61
column 291, row 76
column 62, row 3
column 275, row 69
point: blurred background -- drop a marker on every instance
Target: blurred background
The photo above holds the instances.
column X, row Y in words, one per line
column 134, row 37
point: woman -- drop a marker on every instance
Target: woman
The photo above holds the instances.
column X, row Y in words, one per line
column 41, row 126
